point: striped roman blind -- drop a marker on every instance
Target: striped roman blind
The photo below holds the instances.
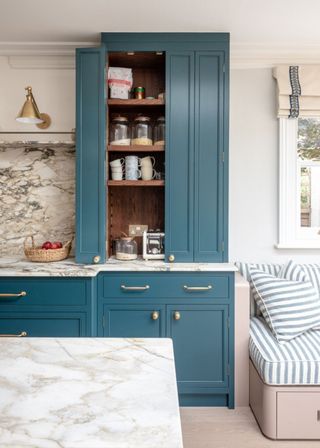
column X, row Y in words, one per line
column 298, row 90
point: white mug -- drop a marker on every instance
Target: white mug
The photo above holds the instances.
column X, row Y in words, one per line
column 147, row 172
column 132, row 161
column 117, row 163
column 117, row 175
column 133, row 174
column 148, row 161
column 116, row 169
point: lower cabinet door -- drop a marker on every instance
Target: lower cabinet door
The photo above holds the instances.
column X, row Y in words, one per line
column 200, row 340
column 43, row 325
column 133, row 321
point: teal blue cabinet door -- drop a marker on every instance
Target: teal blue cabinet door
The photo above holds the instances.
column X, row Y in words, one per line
column 133, row 321
column 179, row 155
column 90, row 155
column 200, row 340
column 211, row 133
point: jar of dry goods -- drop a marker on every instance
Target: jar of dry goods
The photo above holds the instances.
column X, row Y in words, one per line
column 142, row 131
column 126, row 249
column 159, row 131
column 120, row 131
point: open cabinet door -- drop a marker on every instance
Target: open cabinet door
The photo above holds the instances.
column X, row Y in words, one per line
column 90, row 155
column 179, row 156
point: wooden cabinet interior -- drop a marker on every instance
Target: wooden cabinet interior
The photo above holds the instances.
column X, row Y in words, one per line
column 134, row 205
column 140, row 203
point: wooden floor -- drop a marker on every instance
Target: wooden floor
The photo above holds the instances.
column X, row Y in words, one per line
column 224, row 428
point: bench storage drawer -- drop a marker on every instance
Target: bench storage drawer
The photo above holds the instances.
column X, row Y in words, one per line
column 298, row 415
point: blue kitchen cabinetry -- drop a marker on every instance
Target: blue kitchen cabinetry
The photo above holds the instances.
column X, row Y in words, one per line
column 48, row 307
column 192, row 69
column 90, row 155
column 196, row 311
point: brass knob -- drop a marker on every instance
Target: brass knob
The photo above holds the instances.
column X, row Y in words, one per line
column 176, row 315
column 155, row 315
column 96, row 259
column 171, row 258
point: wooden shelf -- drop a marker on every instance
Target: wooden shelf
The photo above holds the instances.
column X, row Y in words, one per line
column 135, row 148
column 134, row 102
column 135, row 183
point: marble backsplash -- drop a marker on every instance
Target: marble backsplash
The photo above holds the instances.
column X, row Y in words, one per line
column 37, row 195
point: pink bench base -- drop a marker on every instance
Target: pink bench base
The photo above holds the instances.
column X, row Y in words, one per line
column 285, row 412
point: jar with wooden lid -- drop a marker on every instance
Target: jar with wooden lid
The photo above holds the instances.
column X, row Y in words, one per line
column 159, row 131
column 120, row 131
column 142, row 131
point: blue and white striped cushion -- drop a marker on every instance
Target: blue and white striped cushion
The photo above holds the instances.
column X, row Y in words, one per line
column 293, row 363
column 311, row 270
column 268, row 268
column 289, row 307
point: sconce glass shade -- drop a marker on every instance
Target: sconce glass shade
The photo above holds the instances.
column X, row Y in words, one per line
column 29, row 113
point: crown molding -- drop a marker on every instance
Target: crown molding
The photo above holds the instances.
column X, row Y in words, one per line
column 61, row 62
column 242, row 55
column 42, row 48
column 247, row 55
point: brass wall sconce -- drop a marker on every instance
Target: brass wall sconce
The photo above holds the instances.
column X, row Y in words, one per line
column 30, row 113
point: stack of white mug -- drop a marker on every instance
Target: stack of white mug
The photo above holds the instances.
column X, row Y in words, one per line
column 132, row 168
column 117, row 169
column 132, row 165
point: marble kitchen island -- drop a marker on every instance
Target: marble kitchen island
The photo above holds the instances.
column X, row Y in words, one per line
column 88, row 393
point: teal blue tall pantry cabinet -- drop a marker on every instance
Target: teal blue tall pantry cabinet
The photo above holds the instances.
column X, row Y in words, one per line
column 189, row 202
column 193, row 208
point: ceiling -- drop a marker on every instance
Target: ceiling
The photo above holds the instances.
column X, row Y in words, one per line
column 264, row 33
column 284, row 22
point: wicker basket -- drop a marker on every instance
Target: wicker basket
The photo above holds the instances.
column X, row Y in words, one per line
column 36, row 253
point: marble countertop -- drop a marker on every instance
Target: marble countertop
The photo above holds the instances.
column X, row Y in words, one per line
column 88, row 392
column 20, row 267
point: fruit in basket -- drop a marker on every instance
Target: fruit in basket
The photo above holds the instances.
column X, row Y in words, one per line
column 47, row 245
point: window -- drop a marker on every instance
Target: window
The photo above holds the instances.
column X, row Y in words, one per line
column 299, row 187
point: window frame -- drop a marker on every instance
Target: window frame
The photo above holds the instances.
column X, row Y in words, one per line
column 291, row 234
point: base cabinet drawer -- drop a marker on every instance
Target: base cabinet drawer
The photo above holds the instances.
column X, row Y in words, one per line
column 174, row 285
column 140, row 321
column 298, row 415
column 44, row 292
column 43, row 325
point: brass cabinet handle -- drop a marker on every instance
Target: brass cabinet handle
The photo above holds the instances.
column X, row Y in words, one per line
column 197, row 288
column 134, row 288
column 20, row 335
column 96, row 259
column 176, row 315
column 155, row 315
column 171, row 258
column 8, row 294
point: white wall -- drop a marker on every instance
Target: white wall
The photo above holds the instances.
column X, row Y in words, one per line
column 253, row 147
column 254, row 170
column 54, row 91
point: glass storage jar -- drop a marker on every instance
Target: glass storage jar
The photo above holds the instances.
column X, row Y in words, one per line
column 142, row 131
column 159, row 131
column 126, row 249
column 120, row 131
